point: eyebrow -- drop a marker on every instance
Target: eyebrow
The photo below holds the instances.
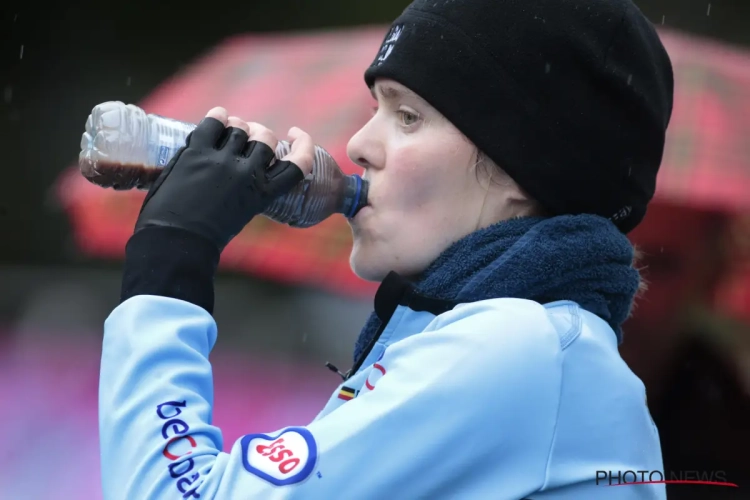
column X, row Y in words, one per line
column 389, row 92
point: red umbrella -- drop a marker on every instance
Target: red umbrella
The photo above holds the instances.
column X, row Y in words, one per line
column 315, row 81
column 733, row 295
column 707, row 158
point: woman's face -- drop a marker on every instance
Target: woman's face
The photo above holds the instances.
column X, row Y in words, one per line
column 424, row 192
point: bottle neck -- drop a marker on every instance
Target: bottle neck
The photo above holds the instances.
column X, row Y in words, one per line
column 355, row 195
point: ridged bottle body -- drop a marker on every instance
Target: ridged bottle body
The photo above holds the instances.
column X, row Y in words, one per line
column 124, row 148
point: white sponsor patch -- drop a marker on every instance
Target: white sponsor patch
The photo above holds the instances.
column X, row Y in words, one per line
column 286, row 458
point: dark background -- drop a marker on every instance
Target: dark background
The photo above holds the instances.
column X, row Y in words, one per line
column 78, row 54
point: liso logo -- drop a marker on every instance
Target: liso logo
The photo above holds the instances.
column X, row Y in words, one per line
column 287, row 458
column 178, row 448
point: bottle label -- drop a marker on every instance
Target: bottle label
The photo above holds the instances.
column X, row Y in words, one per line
column 165, row 154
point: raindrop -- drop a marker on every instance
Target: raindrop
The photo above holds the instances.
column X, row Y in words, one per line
column 21, row 56
column 128, row 81
column 304, row 338
column 708, row 12
column 662, row 19
column 8, row 94
column 630, row 79
column 15, row 17
column 547, row 67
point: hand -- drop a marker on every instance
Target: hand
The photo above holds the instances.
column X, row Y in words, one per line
column 224, row 176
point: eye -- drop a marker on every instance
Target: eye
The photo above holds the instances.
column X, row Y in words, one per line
column 407, row 117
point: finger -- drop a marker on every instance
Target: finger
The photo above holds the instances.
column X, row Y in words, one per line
column 283, row 177
column 233, row 121
column 236, row 140
column 303, row 150
column 260, row 133
column 218, row 113
column 209, row 130
column 237, row 135
column 259, row 154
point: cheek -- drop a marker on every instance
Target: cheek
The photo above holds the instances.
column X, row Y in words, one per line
column 417, row 180
column 422, row 198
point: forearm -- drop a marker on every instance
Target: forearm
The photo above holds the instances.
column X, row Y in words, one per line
column 156, row 398
column 170, row 262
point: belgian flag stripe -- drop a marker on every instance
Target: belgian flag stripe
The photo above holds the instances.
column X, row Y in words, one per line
column 347, row 393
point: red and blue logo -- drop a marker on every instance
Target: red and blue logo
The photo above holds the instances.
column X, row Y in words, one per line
column 178, row 448
column 286, row 458
column 376, row 373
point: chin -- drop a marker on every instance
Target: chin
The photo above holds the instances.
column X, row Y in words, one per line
column 367, row 265
column 367, row 270
column 372, row 264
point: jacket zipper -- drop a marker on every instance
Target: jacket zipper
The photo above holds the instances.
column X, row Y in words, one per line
column 393, row 291
column 362, row 357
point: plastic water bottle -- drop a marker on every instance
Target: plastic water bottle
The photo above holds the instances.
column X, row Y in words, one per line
column 125, row 148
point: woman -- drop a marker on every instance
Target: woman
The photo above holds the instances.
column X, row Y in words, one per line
column 512, row 146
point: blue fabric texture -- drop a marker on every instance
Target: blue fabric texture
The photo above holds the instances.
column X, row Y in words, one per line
column 581, row 258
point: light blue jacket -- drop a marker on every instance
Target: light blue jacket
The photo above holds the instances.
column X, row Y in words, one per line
column 497, row 399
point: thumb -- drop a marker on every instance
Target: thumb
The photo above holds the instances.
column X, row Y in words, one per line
column 303, row 150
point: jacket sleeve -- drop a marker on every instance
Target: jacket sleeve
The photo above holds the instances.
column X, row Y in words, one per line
column 457, row 405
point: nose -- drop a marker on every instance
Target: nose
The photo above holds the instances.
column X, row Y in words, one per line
column 365, row 149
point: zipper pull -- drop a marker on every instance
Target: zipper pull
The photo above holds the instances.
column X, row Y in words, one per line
column 333, row 368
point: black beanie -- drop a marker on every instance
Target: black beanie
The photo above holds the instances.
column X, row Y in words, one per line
column 571, row 98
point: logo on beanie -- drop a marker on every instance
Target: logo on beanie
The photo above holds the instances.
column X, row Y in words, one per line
column 389, row 43
column 622, row 213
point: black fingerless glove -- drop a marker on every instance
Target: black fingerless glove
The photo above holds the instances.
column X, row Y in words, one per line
column 204, row 197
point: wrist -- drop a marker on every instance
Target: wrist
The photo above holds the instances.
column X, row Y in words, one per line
column 170, row 262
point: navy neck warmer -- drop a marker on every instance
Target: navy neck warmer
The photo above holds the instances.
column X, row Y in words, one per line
column 582, row 258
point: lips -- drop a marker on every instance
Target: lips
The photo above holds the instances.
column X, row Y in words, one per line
column 368, row 207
